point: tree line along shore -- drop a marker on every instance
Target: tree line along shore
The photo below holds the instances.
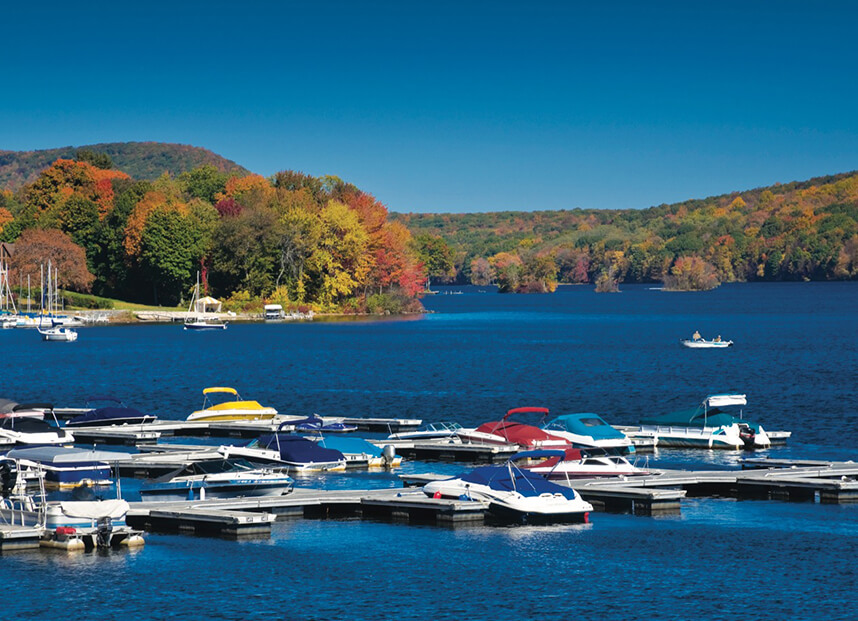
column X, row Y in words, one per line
column 322, row 244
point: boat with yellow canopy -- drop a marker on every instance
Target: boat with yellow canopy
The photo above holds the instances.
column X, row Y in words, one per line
column 235, row 409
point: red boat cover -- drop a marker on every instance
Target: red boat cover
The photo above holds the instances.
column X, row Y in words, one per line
column 516, row 433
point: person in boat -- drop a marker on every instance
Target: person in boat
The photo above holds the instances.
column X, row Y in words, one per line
column 696, row 336
column 718, row 339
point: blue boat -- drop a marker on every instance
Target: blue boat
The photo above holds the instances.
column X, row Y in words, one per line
column 68, row 467
column 116, row 414
column 315, row 423
column 293, row 453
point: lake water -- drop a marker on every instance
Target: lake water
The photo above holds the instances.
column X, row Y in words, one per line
column 477, row 355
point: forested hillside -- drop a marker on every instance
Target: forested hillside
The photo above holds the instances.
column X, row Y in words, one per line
column 140, row 160
column 292, row 239
column 793, row 231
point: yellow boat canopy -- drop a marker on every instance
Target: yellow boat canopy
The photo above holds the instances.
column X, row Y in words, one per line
column 231, row 391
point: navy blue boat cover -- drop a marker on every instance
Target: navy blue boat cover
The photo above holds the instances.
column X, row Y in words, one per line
column 526, row 483
column 108, row 413
column 298, row 449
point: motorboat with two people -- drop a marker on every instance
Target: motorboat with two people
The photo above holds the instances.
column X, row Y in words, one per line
column 217, row 478
column 698, row 342
column 709, row 425
column 508, row 432
column 292, row 453
column 361, row 453
column 589, row 430
column 514, row 494
column 429, row 431
column 203, row 312
column 112, row 412
column 315, row 422
column 233, row 409
column 576, row 463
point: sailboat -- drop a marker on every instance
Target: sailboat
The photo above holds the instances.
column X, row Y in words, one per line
column 53, row 333
column 202, row 320
column 8, row 312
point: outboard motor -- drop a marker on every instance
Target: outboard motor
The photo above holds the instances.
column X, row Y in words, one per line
column 7, row 477
column 388, row 453
column 747, row 435
column 105, row 529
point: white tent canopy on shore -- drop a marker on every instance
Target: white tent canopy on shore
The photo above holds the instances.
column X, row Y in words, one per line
column 207, row 304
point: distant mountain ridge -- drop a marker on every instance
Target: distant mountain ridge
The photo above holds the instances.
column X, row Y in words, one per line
column 141, row 160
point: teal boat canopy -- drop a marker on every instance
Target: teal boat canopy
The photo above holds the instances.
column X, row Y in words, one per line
column 585, row 424
column 708, row 414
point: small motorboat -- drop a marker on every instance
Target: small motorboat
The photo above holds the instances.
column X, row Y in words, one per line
column 701, row 343
column 360, row 453
column 220, row 478
column 589, row 430
column 236, row 409
column 116, row 414
column 316, row 423
column 508, row 432
column 515, row 495
column 429, row 431
column 292, row 453
column 708, row 425
column 576, row 464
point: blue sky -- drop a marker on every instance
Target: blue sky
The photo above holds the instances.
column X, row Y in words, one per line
column 453, row 106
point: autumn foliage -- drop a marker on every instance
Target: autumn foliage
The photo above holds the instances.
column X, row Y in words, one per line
column 36, row 247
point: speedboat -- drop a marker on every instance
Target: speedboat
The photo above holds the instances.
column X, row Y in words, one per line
column 576, row 464
column 429, row 431
column 236, row 409
column 360, row 453
column 117, row 414
column 704, row 344
column 514, row 495
column 589, row 430
column 220, row 478
column 68, row 467
column 30, row 430
column 707, row 426
column 316, row 423
column 510, row 432
column 292, row 453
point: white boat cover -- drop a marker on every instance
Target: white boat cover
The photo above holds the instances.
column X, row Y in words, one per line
column 716, row 401
column 94, row 509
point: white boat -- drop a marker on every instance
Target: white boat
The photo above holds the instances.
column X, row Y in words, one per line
column 513, row 494
column 58, row 334
column 589, row 430
column 429, row 431
column 704, row 344
column 30, row 430
column 198, row 317
column 220, row 478
column 573, row 463
column 707, row 426
column 236, row 409
column 292, row 453
column 48, row 328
